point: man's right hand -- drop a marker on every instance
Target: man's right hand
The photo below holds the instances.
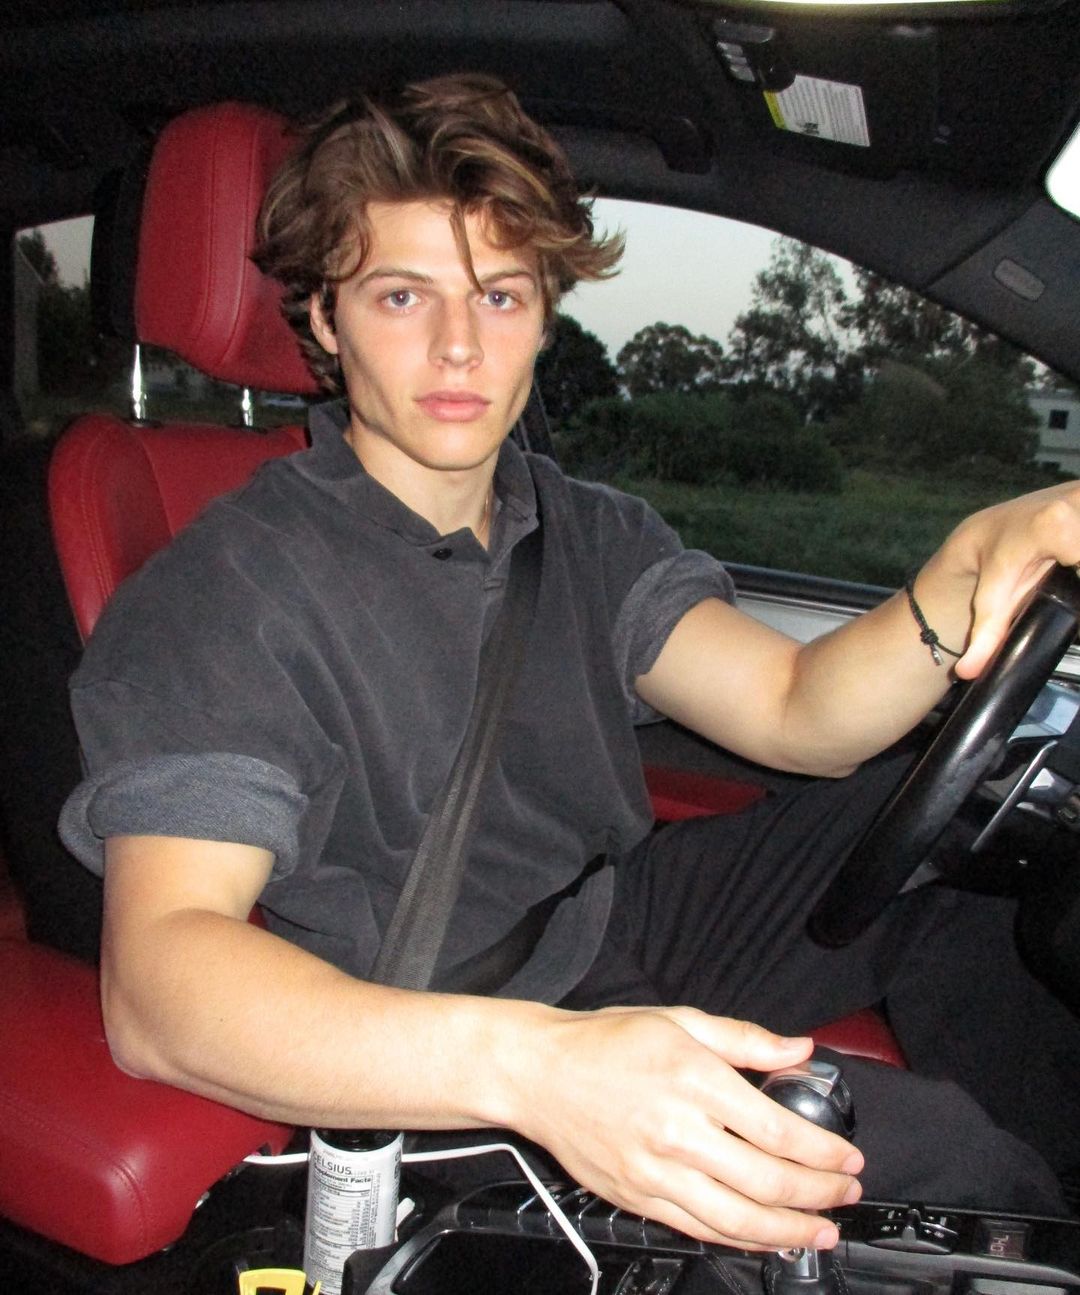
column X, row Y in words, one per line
column 646, row 1107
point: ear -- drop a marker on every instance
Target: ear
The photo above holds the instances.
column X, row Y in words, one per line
column 320, row 325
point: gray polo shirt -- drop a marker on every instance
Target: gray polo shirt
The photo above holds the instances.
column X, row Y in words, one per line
column 296, row 672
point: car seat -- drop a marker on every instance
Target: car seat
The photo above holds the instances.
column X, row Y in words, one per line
column 109, row 1165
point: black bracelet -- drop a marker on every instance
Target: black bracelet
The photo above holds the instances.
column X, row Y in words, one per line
column 926, row 634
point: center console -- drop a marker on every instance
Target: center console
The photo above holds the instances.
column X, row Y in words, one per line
column 501, row 1239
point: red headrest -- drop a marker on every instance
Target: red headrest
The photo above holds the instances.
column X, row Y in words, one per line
column 197, row 293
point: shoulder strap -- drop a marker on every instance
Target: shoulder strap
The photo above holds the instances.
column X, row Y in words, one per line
column 417, row 928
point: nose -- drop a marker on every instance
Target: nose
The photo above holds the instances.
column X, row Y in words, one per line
column 456, row 339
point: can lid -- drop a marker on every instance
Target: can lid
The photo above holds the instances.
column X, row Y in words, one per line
column 358, row 1139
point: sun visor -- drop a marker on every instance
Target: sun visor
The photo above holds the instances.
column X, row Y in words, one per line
column 197, row 293
column 853, row 89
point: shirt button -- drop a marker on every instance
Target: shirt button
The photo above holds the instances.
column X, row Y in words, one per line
column 442, row 554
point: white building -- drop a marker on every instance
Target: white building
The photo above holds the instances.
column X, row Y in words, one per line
column 1058, row 412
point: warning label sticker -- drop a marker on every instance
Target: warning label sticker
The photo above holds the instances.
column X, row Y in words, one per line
column 823, row 109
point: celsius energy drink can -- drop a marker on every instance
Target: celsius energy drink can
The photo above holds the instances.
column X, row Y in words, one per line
column 352, row 1199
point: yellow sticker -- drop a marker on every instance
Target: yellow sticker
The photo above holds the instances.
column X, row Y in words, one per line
column 821, row 109
column 290, row 1280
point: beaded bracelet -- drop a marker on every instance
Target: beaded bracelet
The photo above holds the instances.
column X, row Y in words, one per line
column 926, row 634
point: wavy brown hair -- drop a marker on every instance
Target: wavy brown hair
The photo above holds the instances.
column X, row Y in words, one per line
column 464, row 139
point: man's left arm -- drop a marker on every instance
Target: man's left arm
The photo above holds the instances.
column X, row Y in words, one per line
column 825, row 706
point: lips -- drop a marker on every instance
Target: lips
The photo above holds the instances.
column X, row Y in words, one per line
column 453, row 406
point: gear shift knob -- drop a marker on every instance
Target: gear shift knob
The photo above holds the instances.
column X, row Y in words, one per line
column 815, row 1090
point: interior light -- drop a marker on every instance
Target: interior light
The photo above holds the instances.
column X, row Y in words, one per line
column 1063, row 178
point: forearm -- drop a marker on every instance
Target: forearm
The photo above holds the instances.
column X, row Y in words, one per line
column 821, row 707
column 825, row 706
column 969, row 593
column 196, row 996
column 878, row 668
column 864, row 686
column 224, row 1009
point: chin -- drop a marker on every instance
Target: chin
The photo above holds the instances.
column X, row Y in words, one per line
column 458, row 449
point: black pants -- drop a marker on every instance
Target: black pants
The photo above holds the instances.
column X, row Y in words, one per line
column 711, row 912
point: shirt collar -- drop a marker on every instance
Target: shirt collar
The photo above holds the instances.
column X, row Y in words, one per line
column 332, row 464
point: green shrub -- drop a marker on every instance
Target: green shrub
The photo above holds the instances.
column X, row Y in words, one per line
column 766, row 414
column 596, row 441
column 913, row 419
column 665, row 436
column 802, row 461
column 697, row 440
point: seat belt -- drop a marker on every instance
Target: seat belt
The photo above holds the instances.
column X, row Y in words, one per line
column 414, row 938
column 491, row 968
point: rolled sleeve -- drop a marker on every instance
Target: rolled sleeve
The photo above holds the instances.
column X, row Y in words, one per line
column 654, row 605
column 204, row 796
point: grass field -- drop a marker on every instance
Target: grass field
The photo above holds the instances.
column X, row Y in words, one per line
column 876, row 530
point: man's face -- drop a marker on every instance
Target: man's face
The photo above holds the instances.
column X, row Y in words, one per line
column 437, row 370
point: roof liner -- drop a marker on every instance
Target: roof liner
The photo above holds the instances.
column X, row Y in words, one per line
column 963, row 117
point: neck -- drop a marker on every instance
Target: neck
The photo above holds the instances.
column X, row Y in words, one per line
column 450, row 499
column 482, row 530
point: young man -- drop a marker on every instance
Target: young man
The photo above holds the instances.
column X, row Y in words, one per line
column 270, row 708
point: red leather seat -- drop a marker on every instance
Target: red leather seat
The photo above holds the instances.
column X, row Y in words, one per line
column 680, row 793
column 106, row 1164
column 119, row 491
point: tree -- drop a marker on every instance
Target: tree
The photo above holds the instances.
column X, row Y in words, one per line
column 945, row 391
column 894, row 323
column 974, row 418
column 73, row 357
column 988, row 415
column 897, row 422
column 668, row 358
column 897, row 324
column 34, row 248
column 792, row 339
column 766, row 414
column 572, row 369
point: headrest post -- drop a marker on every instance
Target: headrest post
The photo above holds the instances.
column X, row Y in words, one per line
column 138, row 390
column 247, row 408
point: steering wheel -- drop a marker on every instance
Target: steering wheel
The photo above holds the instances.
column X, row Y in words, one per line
column 962, row 752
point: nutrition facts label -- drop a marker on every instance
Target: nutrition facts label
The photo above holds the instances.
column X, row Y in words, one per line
column 346, row 1214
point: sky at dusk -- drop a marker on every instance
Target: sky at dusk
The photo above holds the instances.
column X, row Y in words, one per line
column 680, row 267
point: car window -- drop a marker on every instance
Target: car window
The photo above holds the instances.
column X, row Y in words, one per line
column 65, row 366
column 784, row 408
column 780, row 407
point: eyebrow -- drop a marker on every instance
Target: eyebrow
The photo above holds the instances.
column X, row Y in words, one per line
column 414, row 276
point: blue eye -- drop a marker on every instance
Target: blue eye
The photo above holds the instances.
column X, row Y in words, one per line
column 400, row 298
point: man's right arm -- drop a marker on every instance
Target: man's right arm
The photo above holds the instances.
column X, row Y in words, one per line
column 643, row 1105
